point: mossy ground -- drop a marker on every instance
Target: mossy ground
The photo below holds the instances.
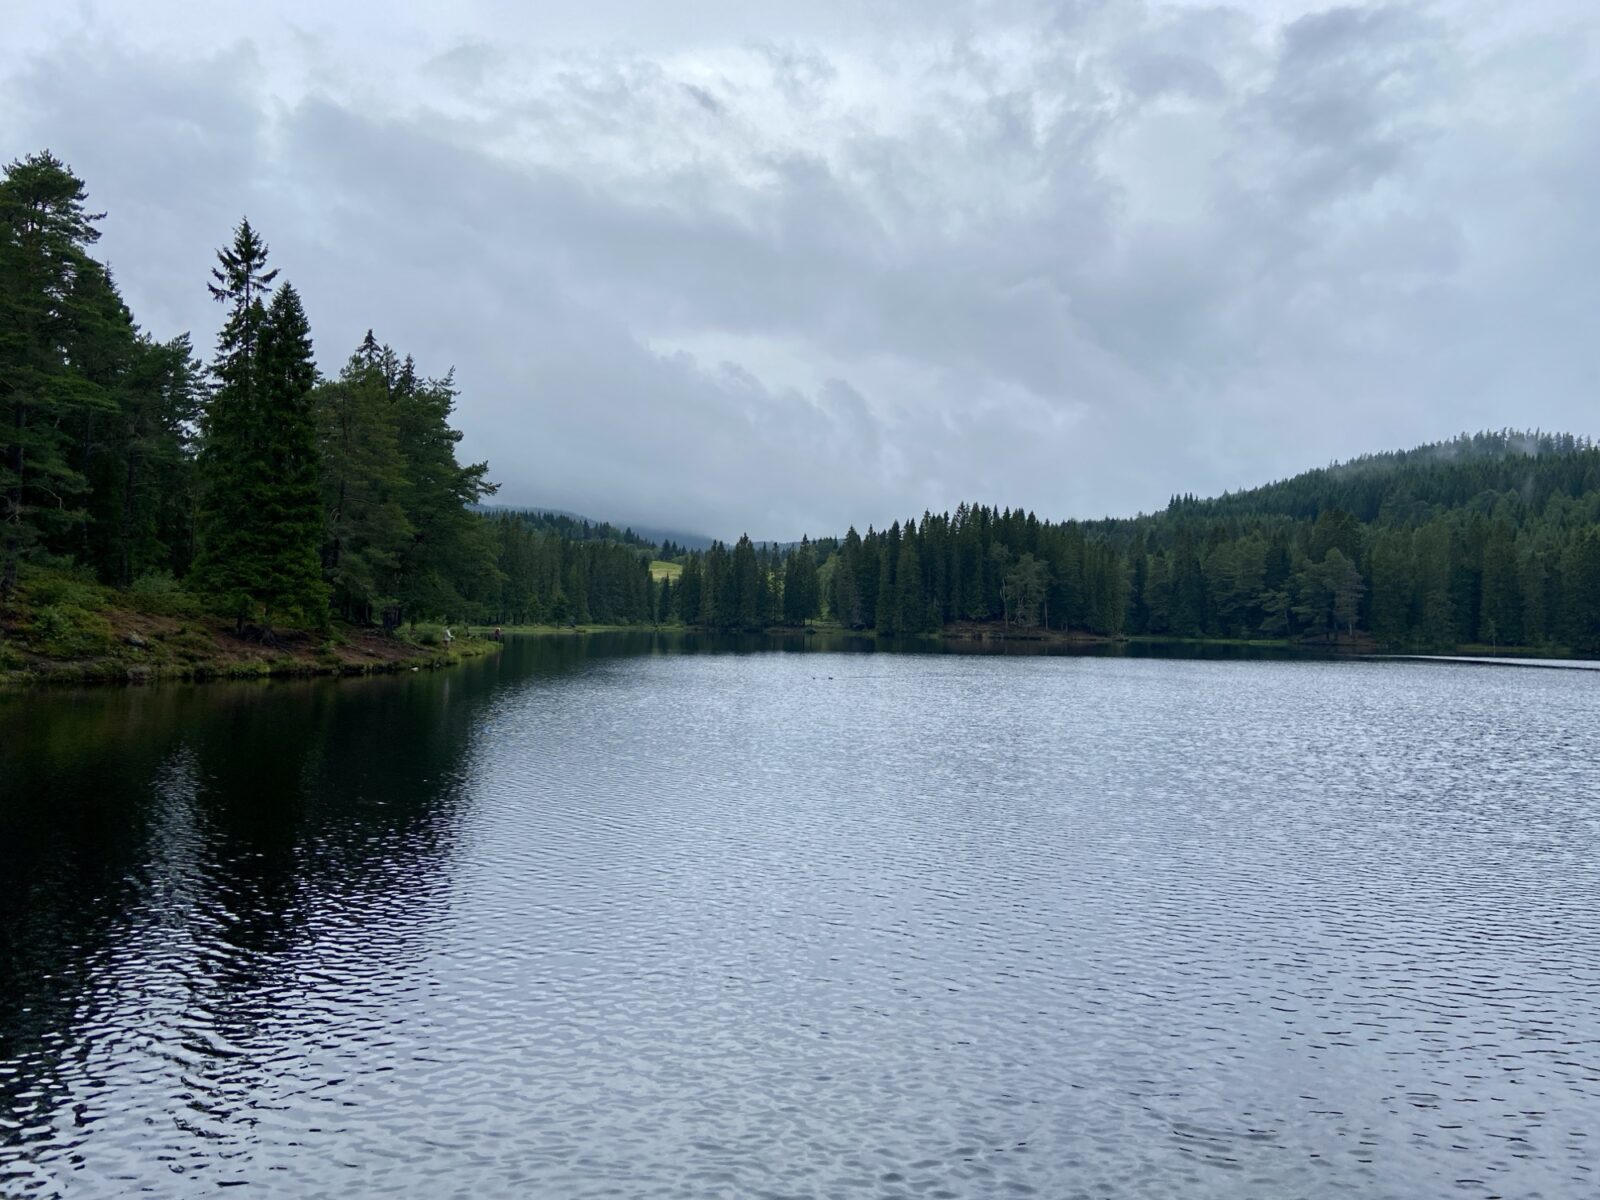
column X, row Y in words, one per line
column 61, row 628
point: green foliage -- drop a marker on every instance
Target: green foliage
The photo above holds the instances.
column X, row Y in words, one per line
column 1471, row 541
column 1024, row 588
column 160, row 592
column 60, row 319
column 261, row 536
column 802, row 592
column 363, row 483
column 71, row 589
column 1493, row 539
column 536, row 577
column 297, row 494
column 291, row 493
column 69, row 631
column 155, row 587
column 579, row 529
column 288, row 498
column 139, row 463
column 450, row 552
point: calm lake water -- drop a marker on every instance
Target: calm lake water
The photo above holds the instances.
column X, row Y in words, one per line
column 621, row 917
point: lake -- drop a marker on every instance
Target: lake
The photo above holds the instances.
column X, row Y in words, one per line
column 629, row 916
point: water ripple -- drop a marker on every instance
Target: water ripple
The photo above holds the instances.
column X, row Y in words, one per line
column 793, row 925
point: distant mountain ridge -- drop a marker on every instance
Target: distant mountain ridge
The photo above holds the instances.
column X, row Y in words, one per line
column 1419, row 477
column 1447, row 474
column 1487, row 540
column 653, row 535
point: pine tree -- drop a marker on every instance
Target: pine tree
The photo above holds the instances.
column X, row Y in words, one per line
column 886, row 612
column 1501, row 604
column 911, row 608
column 140, row 466
column 845, row 604
column 1392, row 587
column 230, row 558
column 449, row 550
column 289, row 496
column 800, row 590
column 49, row 289
column 686, row 598
column 746, row 581
column 711, row 612
column 262, row 531
column 363, row 481
column 1582, row 571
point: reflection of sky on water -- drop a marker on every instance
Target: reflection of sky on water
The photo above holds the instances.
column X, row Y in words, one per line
column 598, row 916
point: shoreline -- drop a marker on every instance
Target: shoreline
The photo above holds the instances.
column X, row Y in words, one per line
column 342, row 662
column 1361, row 646
column 140, row 645
column 144, row 648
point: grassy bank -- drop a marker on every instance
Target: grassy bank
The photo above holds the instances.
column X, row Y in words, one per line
column 60, row 629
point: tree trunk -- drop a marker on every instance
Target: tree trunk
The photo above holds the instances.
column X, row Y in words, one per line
column 125, row 532
column 8, row 564
column 11, row 550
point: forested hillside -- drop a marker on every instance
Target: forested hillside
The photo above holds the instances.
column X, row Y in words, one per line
column 263, row 491
column 1490, row 539
column 273, row 495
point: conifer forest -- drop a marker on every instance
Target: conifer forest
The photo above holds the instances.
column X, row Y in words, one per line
column 284, row 498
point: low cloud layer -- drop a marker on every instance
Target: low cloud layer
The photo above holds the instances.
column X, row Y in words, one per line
column 782, row 270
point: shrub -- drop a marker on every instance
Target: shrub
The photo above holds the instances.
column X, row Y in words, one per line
column 191, row 645
column 158, row 592
column 68, row 631
column 59, row 589
column 428, row 635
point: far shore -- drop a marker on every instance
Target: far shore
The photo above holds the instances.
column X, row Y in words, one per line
column 1361, row 645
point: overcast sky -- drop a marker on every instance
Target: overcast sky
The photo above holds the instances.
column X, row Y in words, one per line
column 780, row 267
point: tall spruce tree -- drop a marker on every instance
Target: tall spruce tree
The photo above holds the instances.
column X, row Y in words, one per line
column 227, row 563
column 261, row 523
column 800, row 589
column 290, row 512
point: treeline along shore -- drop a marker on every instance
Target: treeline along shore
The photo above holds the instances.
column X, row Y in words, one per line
column 1487, row 540
column 249, row 515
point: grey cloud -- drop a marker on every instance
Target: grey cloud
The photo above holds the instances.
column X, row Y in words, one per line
column 703, row 98
column 1353, row 90
column 192, row 132
column 467, row 66
column 1071, row 261
column 1150, row 73
column 800, row 74
column 1184, row 53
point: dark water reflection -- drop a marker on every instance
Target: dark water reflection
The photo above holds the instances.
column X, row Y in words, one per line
column 637, row 916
